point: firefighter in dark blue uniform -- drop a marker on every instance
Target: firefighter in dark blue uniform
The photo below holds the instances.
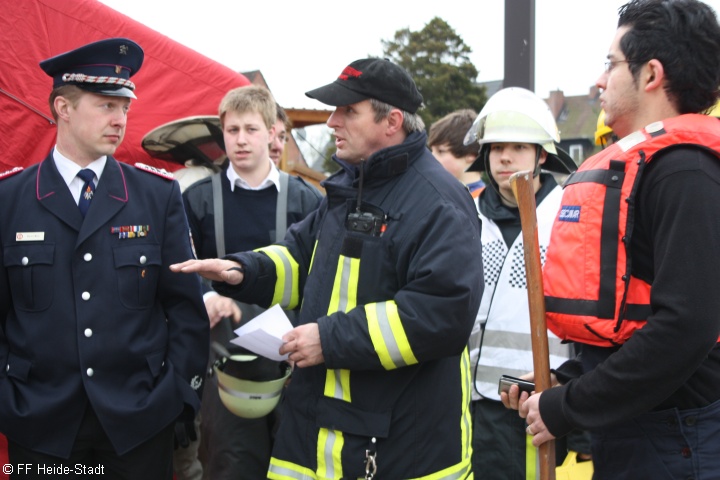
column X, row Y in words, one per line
column 103, row 349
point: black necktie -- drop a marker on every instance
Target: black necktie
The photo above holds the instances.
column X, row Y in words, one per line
column 87, row 191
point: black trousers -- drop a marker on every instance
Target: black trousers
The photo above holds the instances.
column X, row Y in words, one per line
column 663, row 445
column 93, row 456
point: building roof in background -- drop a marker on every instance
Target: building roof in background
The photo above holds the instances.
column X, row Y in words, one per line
column 576, row 116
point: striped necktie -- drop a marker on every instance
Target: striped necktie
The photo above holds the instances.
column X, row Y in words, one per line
column 87, row 191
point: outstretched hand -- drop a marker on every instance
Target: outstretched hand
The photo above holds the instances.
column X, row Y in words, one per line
column 214, row 269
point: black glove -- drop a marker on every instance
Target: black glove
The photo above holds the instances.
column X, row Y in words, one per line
column 185, row 429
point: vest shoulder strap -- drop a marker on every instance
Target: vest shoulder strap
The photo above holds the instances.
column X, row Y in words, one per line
column 282, row 207
column 217, row 199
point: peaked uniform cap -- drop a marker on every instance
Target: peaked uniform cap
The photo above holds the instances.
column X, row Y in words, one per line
column 376, row 78
column 103, row 67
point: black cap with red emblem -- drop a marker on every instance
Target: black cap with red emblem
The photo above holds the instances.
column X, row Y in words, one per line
column 102, row 67
column 371, row 78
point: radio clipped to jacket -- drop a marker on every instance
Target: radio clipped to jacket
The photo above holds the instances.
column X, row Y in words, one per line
column 367, row 222
column 367, row 219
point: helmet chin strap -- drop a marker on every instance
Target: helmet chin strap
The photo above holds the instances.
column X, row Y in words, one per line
column 538, row 152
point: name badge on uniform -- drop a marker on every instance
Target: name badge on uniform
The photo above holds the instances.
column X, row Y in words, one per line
column 30, row 236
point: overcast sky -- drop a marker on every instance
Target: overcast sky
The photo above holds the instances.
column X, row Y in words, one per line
column 300, row 45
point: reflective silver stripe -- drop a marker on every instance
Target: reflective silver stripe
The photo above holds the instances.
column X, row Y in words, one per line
column 344, row 284
column 248, row 396
column 522, row 341
column 329, row 443
column 456, row 476
column 388, row 337
column 289, row 473
column 338, row 390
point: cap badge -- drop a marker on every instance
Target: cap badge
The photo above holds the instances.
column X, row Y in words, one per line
column 123, row 49
column 118, row 69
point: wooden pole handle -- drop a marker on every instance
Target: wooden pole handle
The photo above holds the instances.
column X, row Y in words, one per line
column 524, row 191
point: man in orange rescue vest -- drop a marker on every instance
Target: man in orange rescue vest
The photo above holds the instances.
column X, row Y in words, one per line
column 633, row 268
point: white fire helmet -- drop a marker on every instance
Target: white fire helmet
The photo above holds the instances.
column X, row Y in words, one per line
column 517, row 115
column 249, row 398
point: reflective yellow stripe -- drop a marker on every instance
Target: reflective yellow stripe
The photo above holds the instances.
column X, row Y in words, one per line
column 531, row 459
column 282, row 470
column 343, row 299
column 466, row 420
column 330, row 443
column 388, row 335
column 286, row 268
column 463, row 469
column 344, row 294
column 337, row 382
column 312, row 257
column 460, row 471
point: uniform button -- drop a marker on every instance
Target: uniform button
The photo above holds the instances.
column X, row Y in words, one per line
column 90, row 372
column 143, row 260
column 163, row 363
column 690, row 421
column 88, row 332
column 86, row 295
column 87, row 257
column 25, row 260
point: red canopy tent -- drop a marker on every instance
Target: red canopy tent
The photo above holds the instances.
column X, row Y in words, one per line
column 174, row 81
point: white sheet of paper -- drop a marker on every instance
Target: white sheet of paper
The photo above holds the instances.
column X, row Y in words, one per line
column 263, row 334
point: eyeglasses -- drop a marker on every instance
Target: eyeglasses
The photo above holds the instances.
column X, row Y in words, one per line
column 610, row 64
